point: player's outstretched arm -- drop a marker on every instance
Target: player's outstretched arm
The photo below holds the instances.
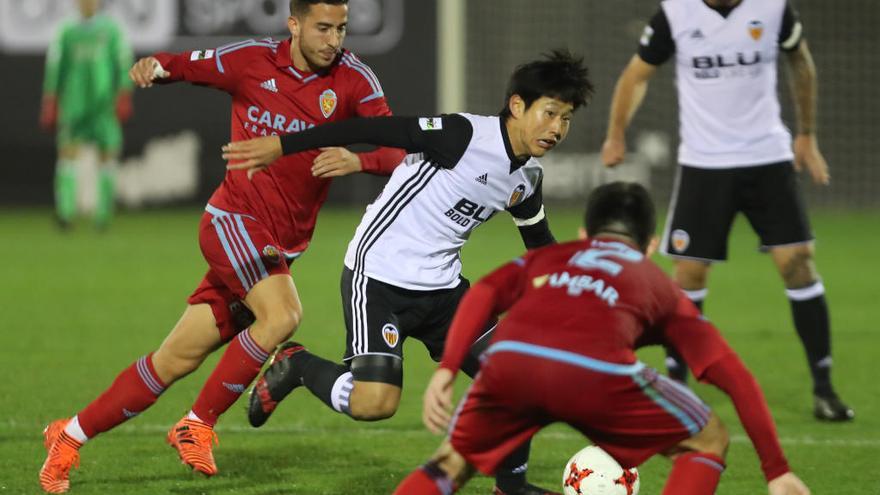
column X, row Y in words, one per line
column 442, row 139
column 787, row 484
column 147, row 70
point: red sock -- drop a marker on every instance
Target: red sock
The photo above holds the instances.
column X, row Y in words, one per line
column 237, row 368
column 133, row 391
column 426, row 480
column 694, row 473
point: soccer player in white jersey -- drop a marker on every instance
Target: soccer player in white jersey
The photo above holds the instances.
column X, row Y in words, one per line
column 402, row 275
column 736, row 154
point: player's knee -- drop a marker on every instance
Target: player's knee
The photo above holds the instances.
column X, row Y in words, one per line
column 373, row 407
column 714, row 438
column 278, row 325
column 448, row 460
column 797, row 267
column 374, row 399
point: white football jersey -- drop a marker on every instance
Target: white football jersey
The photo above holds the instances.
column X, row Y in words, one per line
column 726, row 75
column 412, row 234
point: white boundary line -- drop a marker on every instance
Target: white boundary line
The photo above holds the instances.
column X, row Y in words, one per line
column 420, row 432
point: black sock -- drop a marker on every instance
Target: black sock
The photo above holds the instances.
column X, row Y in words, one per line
column 810, row 313
column 510, row 476
column 331, row 382
column 675, row 365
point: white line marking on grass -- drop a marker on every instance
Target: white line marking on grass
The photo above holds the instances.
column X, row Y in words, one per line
column 419, row 432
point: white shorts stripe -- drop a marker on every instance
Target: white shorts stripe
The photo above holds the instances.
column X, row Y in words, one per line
column 221, row 234
column 664, row 243
column 255, row 256
column 247, row 261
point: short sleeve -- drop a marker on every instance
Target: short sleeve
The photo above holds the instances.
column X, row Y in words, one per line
column 791, row 32
column 656, row 45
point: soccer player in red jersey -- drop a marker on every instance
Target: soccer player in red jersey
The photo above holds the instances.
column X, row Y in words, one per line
column 251, row 230
column 576, row 312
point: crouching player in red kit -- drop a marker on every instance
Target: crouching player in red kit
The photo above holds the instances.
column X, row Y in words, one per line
column 576, row 312
column 250, row 232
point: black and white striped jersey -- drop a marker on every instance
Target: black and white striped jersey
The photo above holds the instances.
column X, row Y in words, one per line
column 461, row 170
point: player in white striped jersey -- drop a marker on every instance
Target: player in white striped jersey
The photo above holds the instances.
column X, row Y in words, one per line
column 736, row 153
column 402, row 275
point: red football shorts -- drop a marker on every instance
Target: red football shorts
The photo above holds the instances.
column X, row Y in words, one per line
column 630, row 411
column 240, row 252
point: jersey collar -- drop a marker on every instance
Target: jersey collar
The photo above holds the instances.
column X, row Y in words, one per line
column 722, row 11
column 515, row 163
column 283, row 61
column 615, row 237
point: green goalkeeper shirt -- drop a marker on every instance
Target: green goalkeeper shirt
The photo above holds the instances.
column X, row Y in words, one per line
column 86, row 67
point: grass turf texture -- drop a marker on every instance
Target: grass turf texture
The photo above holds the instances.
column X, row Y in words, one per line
column 79, row 307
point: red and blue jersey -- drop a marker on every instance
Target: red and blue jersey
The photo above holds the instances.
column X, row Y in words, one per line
column 272, row 97
column 600, row 298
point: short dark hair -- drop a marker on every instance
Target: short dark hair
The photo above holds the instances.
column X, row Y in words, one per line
column 559, row 74
column 301, row 7
column 622, row 208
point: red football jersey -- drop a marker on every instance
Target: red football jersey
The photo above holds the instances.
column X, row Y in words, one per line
column 600, row 298
column 271, row 97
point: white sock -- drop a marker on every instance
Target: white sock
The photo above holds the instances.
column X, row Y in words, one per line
column 75, row 431
column 192, row 415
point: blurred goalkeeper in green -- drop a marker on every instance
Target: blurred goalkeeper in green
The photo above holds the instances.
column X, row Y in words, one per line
column 86, row 96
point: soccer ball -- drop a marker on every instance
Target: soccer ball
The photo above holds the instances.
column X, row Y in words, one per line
column 593, row 472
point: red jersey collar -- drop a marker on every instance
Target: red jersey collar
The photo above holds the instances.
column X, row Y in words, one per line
column 283, row 60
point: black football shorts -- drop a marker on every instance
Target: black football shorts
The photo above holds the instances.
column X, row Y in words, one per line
column 705, row 201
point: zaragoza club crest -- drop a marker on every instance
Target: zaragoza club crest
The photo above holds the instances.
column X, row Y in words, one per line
column 328, row 103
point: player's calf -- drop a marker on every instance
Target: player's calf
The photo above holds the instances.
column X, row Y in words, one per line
column 713, row 439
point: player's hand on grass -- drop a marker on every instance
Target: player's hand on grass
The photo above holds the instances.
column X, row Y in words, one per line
column 252, row 155
column 787, row 484
column 437, row 410
column 613, row 151
column 336, row 162
column 807, row 154
column 147, row 70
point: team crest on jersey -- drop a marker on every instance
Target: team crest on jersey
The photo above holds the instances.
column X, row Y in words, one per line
column 756, row 29
column 680, row 240
column 271, row 254
column 328, row 102
column 517, row 195
column 390, row 335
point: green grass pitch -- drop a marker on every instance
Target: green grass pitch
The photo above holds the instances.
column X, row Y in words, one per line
column 76, row 308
